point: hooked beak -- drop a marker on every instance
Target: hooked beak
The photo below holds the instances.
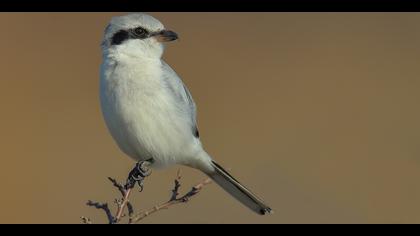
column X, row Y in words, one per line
column 165, row 36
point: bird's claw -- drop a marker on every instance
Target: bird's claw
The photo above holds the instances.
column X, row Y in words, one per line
column 138, row 174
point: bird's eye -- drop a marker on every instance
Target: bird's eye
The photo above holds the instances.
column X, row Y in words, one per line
column 139, row 31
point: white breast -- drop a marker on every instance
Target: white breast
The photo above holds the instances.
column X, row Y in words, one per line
column 141, row 114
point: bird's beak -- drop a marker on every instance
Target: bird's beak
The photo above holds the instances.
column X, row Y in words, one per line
column 165, row 36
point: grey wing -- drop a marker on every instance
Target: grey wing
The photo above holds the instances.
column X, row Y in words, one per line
column 181, row 92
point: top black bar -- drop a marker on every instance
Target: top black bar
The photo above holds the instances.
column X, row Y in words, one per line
column 210, row 5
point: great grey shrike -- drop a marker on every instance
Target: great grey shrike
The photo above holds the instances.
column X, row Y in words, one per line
column 148, row 110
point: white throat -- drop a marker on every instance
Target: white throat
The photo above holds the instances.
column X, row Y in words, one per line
column 135, row 50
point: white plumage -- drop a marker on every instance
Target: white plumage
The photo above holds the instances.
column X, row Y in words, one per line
column 148, row 110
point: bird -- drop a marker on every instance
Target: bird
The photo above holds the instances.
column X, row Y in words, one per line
column 148, row 110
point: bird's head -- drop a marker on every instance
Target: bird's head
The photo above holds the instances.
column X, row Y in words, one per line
column 136, row 34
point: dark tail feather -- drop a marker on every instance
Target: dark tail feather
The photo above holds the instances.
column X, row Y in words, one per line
column 237, row 190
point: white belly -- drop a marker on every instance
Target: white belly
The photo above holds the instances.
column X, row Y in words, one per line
column 143, row 117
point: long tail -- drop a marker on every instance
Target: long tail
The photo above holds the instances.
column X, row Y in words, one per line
column 237, row 190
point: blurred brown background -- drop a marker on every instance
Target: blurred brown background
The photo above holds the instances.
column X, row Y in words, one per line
column 318, row 113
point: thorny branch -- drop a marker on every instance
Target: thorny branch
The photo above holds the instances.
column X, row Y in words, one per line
column 124, row 202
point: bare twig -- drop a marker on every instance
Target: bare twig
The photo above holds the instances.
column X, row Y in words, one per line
column 124, row 202
column 173, row 201
column 119, row 186
column 104, row 207
column 122, row 205
column 130, row 209
column 175, row 191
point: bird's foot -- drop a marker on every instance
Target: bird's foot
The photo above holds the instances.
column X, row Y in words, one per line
column 138, row 174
